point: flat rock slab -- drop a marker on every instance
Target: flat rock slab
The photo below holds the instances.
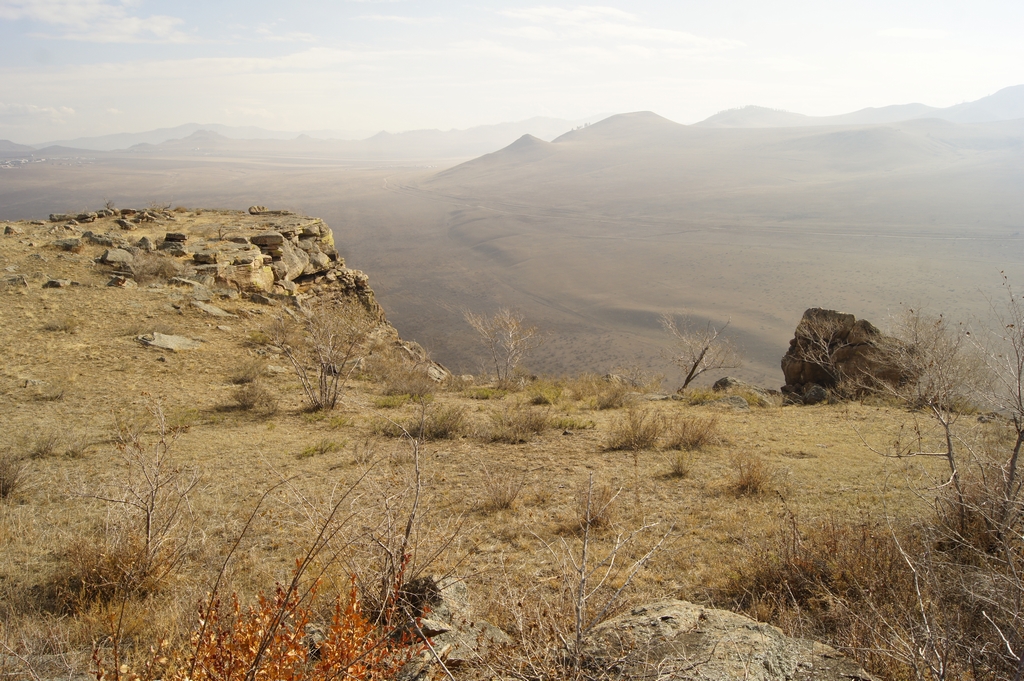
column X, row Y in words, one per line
column 211, row 310
column 165, row 342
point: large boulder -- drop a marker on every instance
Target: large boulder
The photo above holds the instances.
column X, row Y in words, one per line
column 829, row 346
column 680, row 640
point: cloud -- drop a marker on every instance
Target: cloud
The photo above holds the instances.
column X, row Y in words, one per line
column 913, row 33
column 609, row 26
column 99, row 21
column 268, row 34
column 26, row 114
column 399, row 19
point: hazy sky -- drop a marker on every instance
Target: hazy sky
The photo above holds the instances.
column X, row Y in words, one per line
column 87, row 67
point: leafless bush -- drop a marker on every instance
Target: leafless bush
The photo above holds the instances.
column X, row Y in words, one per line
column 697, row 351
column 249, row 371
column 431, row 423
column 322, row 346
column 255, row 397
column 693, row 433
column 507, row 338
column 636, row 429
column 155, row 267
column 596, row 505
column 47, row 443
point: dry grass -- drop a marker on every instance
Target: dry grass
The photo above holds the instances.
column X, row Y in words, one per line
column 752, row 475
column 596, row 506
column 693, row 433
column 636, row 429
column 322, row 447
column 501, row 487
column 517, row 424
column 12, row 474
column 255, row 397
column 249, row 371
column 155, row 267
column 63, row 325
column 681, row 464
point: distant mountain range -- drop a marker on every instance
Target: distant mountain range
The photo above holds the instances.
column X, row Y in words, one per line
column 468, row 142
column 1005, row 105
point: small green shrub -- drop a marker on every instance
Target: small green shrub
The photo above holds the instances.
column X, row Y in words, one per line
column 320, row 448
column 698, row 396
column 391, row 401
column 572, row 423
column 486, row 393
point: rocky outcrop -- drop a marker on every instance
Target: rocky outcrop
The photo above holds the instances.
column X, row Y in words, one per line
column 679, row 640
column 829, row 347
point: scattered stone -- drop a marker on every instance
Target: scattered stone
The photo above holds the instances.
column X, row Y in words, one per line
column 37, row 222
column 653, row 397
column 125, row 212
column 71, row 245
column 175, row 249
column 104, row 213
column 17, row 280
column 438, row 373
column 210, row 257
column 116, row 256
column 225, row 329
column 145, row 244
column 58, row 217
column 256, row 210
column 125, row 225
column 182, row 281
column 261, row 299
column 680, row 640
column 166, row 342
column 12, row 230
column 86, row 217
column 180, row 237
column 211, row 310
column 121, row 281
column 57, row 283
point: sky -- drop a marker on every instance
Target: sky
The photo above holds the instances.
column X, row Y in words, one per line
column 72, row 68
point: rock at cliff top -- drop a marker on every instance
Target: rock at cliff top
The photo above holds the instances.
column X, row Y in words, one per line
column 829, row 346
column 292, row 263
column 267, row 239
column 165, row 342
column 680, row 640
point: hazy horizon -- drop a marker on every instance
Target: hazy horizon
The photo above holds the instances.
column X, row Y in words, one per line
column 76, row 68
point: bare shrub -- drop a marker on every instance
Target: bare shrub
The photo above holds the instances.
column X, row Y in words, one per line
column 255, row 397
column 249, row 371
column 635, row 430
column 699, row 350
column 596, row 505
column 408, row 378
column 518, row 423
column 12, row 474
column 753, row 476
column 148, row 534
column 501, row 488
column 322, row 346
column 507, row 338
column 155, row 267
column 693, row 433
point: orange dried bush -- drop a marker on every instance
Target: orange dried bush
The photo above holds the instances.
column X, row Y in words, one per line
column 272, row 640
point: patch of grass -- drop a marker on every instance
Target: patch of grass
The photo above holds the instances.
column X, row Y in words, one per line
column 545, row 393
column 614, row 395
column 572, row 423
column 321, row 448
column 442, row 423
column 486, row 393
column 517, row 424
column 391, row 401
column 636, row 430
column 46, row 444
column 55, row 394
column 680, row 464
column 752, row 475
column 501, row 488
column 698, row 396
column 12, row 474
column 63, row 325
column 693, row 433
column 76, row 446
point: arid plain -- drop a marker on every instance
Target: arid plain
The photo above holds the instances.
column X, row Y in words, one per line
column 598, row 233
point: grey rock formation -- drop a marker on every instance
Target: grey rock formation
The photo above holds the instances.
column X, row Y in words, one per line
column 682, row 641
column 166, row 342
